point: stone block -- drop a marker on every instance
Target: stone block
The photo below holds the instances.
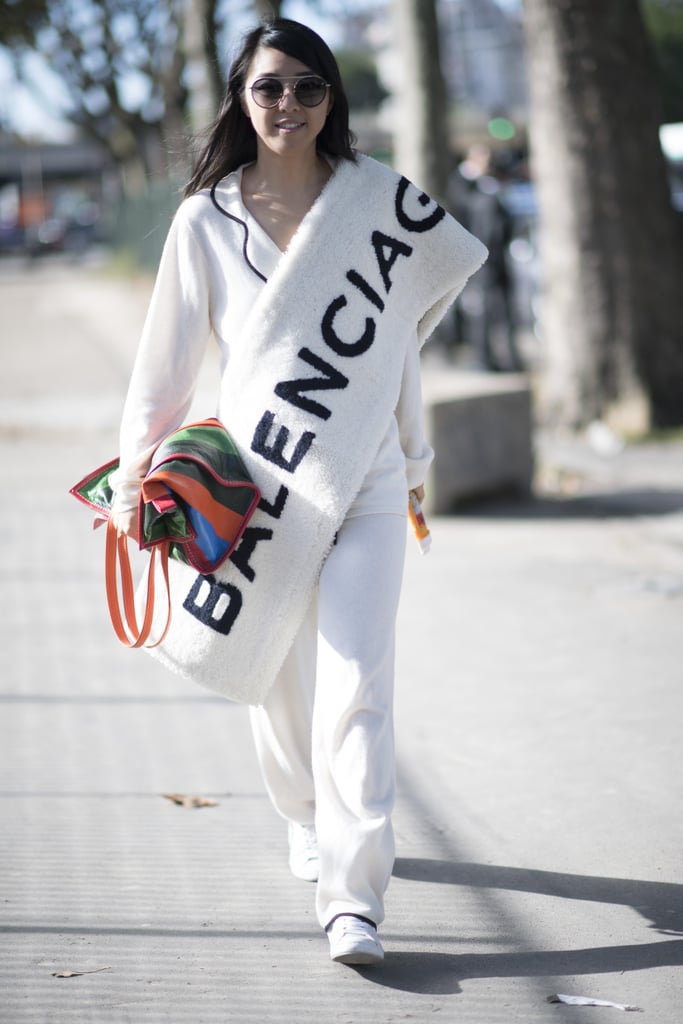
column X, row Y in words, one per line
column 481, row 428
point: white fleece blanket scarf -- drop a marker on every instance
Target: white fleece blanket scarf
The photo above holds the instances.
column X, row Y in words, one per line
column 308, row 395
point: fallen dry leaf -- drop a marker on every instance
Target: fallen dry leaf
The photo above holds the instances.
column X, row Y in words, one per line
column 183, row 800
column 589, row 1001
column 77, row 974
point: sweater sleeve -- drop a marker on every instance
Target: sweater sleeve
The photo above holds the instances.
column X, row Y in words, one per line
column 409, row 413
column 169, row 357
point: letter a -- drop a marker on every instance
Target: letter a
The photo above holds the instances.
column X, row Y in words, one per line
column 383, row 244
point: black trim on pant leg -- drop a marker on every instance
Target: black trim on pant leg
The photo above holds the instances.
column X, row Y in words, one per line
column 359, row 916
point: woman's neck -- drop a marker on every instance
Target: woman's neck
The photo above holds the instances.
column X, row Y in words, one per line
column 273, row 176
column 279, row 194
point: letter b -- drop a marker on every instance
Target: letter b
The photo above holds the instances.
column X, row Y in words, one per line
column 214, row 604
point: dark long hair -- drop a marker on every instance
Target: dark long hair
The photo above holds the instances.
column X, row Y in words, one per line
column 232, row 139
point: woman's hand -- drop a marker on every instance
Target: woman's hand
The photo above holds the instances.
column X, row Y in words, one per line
column 127, row 522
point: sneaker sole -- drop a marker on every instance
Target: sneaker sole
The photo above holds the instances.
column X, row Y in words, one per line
column 358, row 959
column 305, row 873
column 358, row 956
column 305, row 878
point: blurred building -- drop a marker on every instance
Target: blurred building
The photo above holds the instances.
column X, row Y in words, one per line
column 52, row 195
column 482, row 55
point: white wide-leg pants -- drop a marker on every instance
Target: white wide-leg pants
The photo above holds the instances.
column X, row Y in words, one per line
column 324, row 738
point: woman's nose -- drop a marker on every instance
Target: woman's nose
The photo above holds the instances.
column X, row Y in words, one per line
column 288, row 99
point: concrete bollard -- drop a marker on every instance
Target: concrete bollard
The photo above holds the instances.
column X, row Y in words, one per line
column 480, row 426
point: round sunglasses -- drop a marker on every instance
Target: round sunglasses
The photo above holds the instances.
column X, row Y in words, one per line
column 309, row 90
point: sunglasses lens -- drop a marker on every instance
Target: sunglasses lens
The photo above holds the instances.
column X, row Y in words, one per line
column 267, row 92
column 310, row 91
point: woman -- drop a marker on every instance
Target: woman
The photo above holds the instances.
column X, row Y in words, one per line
column 319, row 272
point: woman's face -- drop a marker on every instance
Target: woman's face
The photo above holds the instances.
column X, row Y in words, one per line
column 289, row 127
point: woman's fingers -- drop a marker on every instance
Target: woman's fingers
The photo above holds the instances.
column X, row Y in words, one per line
column 127, row 522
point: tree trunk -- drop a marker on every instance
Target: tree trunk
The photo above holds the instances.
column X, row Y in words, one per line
column 212, row 55
column 421, row 134
column 268, row 9
column 611, row 251
column 202, row 100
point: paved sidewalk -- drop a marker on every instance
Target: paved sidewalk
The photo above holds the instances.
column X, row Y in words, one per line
column 539, row 704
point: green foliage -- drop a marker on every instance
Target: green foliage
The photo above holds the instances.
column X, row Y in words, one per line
column 664, row 19
column 363, row 87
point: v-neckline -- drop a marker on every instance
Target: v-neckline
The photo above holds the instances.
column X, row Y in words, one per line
column 252, row 220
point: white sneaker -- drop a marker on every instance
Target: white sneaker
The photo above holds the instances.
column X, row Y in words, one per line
column 354, row 941
column 303, row 851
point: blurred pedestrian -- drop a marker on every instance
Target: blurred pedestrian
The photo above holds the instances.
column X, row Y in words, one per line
column 485, row 318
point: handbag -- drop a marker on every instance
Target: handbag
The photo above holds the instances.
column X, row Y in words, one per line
column 195, row 503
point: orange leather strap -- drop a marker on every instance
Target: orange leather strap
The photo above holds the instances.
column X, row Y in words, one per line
column 117, row 561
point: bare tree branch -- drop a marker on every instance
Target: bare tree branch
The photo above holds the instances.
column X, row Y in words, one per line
column 122, row 65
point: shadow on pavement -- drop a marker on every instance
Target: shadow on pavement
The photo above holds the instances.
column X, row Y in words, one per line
column 617, row 504
column 443, row 973
column 661, row 903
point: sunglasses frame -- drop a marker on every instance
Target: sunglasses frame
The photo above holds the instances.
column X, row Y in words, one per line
column 281, row 80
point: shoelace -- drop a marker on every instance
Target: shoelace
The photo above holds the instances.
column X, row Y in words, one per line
column 309, row 840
